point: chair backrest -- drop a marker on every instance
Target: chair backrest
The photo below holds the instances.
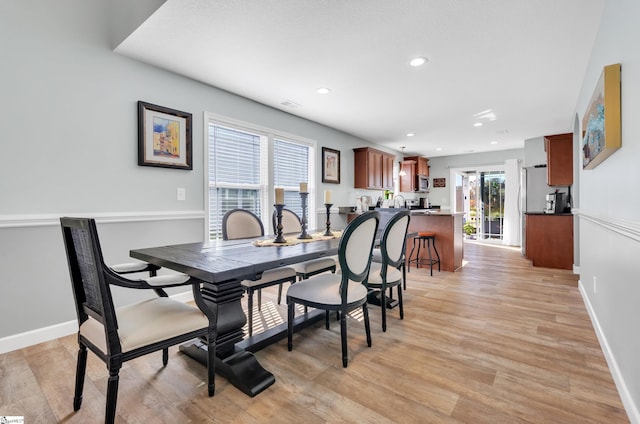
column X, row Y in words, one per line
column 241, row 223
column 354, row 251
column 394, row 239
column 290, row 222
column 88, row 277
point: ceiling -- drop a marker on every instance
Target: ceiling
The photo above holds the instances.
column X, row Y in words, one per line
column 516, row 66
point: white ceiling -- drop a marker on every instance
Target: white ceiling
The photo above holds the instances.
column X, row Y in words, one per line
column 522, row 60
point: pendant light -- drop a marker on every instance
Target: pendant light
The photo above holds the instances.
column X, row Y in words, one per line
column 402, row 172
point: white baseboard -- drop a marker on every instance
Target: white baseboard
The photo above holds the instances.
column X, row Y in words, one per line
column 629, row 404
column 40, row 335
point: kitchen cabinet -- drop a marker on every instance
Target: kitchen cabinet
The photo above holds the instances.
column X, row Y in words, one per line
column 422, row 165
column 412, row 166
column 373, row 169
column 408, row 180
column 559, row 150
column 549, row 240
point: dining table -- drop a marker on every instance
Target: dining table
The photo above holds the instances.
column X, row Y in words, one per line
column 221, row 266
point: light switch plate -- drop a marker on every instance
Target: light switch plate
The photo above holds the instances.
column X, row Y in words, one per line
column 181, row 193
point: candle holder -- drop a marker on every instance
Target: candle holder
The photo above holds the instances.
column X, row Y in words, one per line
column 303, row 221
column 279, row 237
column 328, row 223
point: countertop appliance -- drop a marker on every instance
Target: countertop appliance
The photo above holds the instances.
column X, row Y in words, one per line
column 556, row 202
column 533, row 195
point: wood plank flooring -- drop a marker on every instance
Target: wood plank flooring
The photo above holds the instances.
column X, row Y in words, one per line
column 497, row 342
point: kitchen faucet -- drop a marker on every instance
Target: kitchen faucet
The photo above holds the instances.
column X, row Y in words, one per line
column 395, row 201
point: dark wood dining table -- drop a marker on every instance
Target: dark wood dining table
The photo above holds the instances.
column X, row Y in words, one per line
column 221, row 266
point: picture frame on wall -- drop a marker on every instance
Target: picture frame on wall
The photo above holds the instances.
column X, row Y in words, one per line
column 164, row 137
column 601, row 123
column 330, row 165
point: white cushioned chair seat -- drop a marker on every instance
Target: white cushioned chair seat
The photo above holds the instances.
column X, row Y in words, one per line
column 325, row 289
column 313, row 265
column 129, row 267
column 393, row 274
column 147, row 322
column 166, row 280
column 271, row 275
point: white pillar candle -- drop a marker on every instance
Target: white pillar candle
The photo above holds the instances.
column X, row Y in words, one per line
column 327, row 196
column 279, row 196
column 303, row 188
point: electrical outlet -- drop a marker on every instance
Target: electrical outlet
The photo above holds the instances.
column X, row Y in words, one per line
column 181, row 193
column 594, row 284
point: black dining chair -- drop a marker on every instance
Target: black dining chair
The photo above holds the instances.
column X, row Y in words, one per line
column 390, row 272
column 340, row 292
column 119, row 334
column 239, row 224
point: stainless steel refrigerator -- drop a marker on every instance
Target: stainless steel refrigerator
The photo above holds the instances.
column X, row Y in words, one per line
column 533, row 192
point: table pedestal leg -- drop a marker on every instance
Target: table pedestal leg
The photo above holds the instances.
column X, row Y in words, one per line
column 239, row 366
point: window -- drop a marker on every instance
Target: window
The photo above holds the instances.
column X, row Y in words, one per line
column 243, row 160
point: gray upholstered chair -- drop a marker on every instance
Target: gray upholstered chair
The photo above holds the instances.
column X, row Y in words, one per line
column 340, row 292
column 390, row 272
column 239, row 224
column 291, row 225
column 117, row 335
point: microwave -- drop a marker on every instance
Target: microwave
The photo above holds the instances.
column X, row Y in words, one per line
column 422, row 183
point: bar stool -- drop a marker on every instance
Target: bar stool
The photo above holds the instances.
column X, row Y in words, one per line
column 421, row 238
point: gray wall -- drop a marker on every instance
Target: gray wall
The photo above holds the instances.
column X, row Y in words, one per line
column 440, row 168
column 608, row 208
column 68, row 121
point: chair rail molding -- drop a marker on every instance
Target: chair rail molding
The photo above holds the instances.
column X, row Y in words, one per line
column 44, row 220
column 624, row 227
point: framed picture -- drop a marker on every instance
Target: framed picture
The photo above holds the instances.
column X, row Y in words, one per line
column 330, row 165
column 601, row 123
column 439, row 182
column 164, row 137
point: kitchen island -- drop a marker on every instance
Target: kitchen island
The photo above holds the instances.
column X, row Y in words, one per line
column 447, row 227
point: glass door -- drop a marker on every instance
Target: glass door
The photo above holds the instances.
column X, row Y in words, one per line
column 480, row 195
column 491, row 189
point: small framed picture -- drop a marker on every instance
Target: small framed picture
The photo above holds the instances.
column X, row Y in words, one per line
column 164, row 137
column 330, row 165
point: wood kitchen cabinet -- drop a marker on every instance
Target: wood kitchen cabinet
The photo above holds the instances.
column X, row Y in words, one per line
column 373, row 169
column 422, row 165
column 549, row 240
column 559, row 150
column 412, row 166
column 408, row 180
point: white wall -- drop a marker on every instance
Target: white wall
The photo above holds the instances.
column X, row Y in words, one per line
column 68, row 125
column 609, row 208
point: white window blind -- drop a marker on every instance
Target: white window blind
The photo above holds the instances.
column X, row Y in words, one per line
column 290, row 168
column 234, row 174
column 243, row 166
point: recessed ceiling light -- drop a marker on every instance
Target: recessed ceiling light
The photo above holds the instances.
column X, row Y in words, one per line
column 322, row 90
column 494, row 142
column 438, row 148
column 410, row 134
column 477, row 124
column 418, row 61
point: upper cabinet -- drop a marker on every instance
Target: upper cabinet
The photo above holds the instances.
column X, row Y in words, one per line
column 422, row 165
column 373, row 169
column 408, row 180
column 559, row 150
column 413, row 166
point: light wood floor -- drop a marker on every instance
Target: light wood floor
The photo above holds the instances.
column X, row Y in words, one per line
column 497, row 342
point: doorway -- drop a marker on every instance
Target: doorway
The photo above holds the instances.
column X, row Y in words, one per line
column 480, row 195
